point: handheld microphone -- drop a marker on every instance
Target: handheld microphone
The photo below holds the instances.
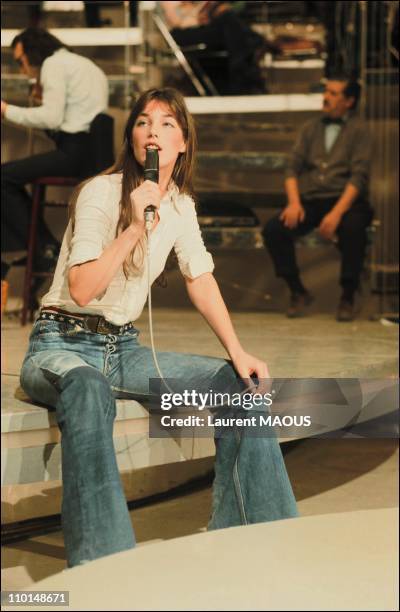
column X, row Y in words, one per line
column 150, row 174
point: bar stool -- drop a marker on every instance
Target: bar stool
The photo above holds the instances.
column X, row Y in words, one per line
column 38, row 201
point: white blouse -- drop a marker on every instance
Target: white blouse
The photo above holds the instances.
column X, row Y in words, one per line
column 97, row 214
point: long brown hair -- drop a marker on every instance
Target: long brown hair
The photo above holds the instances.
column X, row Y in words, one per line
column 132, row 172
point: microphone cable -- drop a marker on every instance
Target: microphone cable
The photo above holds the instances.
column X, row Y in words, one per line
column 150, row 316
column 151, row 172
column 149, row 302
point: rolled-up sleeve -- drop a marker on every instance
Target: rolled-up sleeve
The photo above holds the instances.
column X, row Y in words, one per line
column 50, row 114
column 93, row 221
column 361, row 159
column 193, row 257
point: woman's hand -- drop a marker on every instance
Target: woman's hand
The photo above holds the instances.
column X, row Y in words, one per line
column 246, row 365
column 147, row 194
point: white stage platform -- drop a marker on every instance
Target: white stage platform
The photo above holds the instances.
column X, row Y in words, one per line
column 344, row 561
column 86, row 37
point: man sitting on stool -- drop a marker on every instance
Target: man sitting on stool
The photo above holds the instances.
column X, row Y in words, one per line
column 72, row 90
column 326, row 186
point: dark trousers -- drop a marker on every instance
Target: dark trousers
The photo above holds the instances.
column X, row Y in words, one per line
column 227, row 32
column 351, row 234
column 93, row 16
column 67, row 160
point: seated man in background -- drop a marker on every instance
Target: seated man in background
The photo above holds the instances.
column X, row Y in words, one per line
column 218, row 26
column 326, row 187
column 71, row 91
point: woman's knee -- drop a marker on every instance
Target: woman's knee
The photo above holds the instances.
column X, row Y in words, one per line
column 226, row 379
column 85, row 397
column 36, row 385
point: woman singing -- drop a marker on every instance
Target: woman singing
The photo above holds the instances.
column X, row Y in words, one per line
column 84, row 348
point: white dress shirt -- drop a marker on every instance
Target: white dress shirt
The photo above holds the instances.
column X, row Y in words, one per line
column 97, row 214
column 74, row 90
column 331, row 134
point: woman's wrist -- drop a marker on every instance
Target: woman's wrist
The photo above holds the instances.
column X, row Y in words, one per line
column 235, row 350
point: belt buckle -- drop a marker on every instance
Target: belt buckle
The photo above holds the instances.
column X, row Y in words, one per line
column 91, row 323
column 103, row 327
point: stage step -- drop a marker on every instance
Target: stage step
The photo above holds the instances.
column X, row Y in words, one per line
column 31, row 456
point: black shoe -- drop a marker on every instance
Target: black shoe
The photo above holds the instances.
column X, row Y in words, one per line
column 345, row 311
column 19, row 263
column 46, row 259
column 36, row 286
column 299, row 303
column 34, row 301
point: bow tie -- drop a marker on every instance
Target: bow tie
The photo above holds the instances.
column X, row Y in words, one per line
column 332, row 121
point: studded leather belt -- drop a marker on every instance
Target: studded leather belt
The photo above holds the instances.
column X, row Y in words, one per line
column 92, row 323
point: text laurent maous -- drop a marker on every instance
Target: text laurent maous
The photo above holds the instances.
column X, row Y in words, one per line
column 267, row 420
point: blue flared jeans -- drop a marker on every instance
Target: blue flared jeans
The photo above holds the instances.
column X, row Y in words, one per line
column 80, row 374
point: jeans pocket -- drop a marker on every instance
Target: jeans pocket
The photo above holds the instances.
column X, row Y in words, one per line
column 42, row 330
column 46, row 334
column 47, row 328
